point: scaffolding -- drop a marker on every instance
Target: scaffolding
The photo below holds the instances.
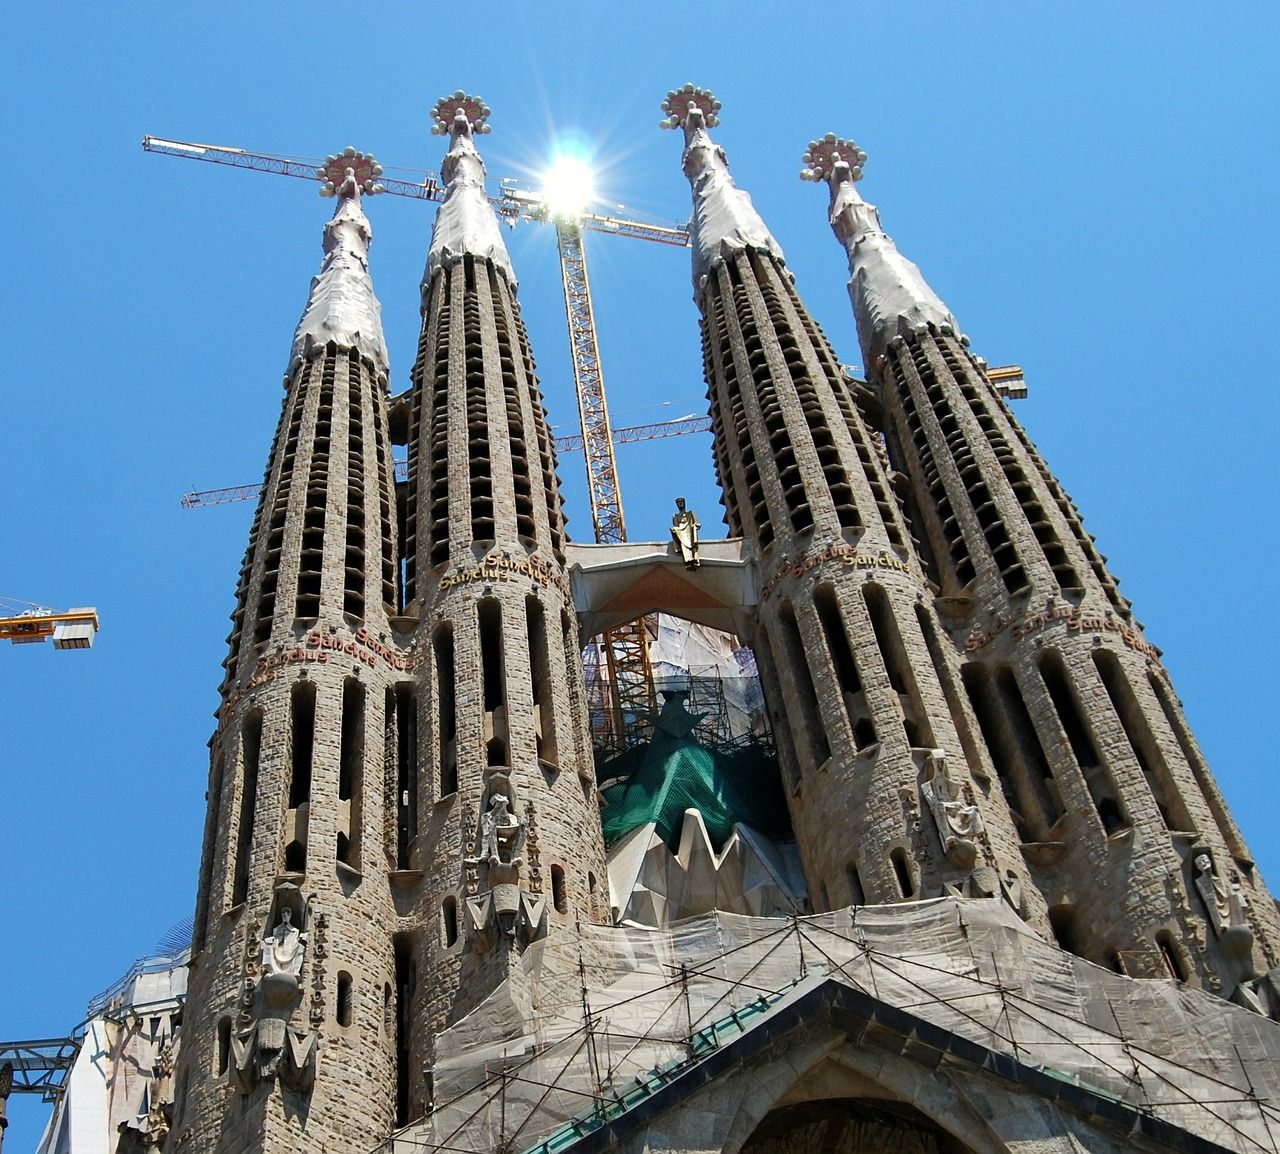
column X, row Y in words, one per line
column 950, row 980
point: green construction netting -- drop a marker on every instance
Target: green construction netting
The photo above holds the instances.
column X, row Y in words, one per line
column 657, row 782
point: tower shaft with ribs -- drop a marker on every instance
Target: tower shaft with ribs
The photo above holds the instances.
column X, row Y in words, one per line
column 1068, row 706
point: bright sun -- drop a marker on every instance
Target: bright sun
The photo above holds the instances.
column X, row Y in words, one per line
column 567, row 186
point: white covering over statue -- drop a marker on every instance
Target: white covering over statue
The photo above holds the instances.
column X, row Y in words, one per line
column 283, row 948
column 958, row 822
column 684, row 532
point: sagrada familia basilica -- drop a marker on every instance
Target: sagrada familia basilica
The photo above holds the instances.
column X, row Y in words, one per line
column 967, row 885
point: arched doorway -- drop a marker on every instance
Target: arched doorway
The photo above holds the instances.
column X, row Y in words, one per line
column 849, row 1126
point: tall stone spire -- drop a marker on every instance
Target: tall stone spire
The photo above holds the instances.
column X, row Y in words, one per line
column 292, row 947
column 500, row 845
column 844, row 640
column 342, row 307
column 1066, row 703
column 465, row 224
column 724, row 220
column 889, row 294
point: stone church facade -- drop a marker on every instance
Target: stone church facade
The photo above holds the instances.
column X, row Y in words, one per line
column 1006, row 907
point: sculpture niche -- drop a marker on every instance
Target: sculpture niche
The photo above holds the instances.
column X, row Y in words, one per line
column 270, row 1045
column 502, row 910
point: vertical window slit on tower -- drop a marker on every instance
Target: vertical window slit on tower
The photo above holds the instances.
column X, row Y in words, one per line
column 494, row 682
column 1142, row 741
column 342, row 1004
column 559, row 895
column 302, row 733
column 351, row 773
column 449, row 919
column 544, row 708
column 446, row 708
column 853, row 881
column 947, row 679
column 807, row 723
column 1046, row 535
column 1015, row 749
column 406, row 978
column 1199, row 770
column 311, row 556
column 834, row 473
column 406, row 724
column 546, row 444
column 1096, row 776
column 1071, row 515
column 224, row 1045
column 1173, row 962
column 846, row 669
column 780, row 449
column 778, row 718
column 1065, row 923
column 902, row 871
column 250, row 750
column 893, row 652
column 212, row 812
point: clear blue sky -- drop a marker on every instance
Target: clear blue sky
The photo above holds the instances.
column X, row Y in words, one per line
column 1090, row 187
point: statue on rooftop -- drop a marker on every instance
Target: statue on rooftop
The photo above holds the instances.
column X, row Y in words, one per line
column 684, row 532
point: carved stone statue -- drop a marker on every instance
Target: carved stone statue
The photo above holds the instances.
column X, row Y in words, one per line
column 500, row 909
column 958, row 822
column 1225, row 904
column 684, row 532
column 282, row 949
column 502, row 834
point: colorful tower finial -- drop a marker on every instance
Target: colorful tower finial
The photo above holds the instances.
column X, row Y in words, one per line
column 450, row 111
column 348, row 174
column 891, row 298
column 690, row 106
column 342, row 307
column 825, row 153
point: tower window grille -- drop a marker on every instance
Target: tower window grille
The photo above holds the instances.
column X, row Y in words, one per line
column 521, row 477
column 311, row 556
column 477, row 399
column 354, row 571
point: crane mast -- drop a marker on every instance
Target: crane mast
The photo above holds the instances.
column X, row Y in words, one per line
column 626, row 646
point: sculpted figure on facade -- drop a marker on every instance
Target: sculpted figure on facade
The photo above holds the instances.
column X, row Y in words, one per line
column 958, row 822
column 502, row 910
column 684, row 532
column 283, row 948
column 270, row 1045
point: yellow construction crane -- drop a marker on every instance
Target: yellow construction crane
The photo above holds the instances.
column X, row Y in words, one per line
column 73, row 629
